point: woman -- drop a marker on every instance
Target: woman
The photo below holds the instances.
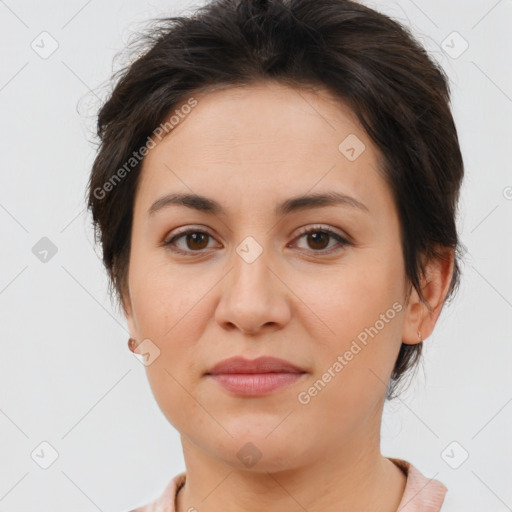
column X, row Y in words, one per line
column 275, row 194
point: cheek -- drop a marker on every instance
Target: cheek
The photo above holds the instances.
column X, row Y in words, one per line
column 169, row 311
column 361, row 305
column 171, row 307
column 353, row 296
column 353, row 365
column 162, row 295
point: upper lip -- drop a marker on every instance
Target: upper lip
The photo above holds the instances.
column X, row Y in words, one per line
column 262, row 364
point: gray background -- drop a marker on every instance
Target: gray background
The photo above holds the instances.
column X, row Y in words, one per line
column 66, row 375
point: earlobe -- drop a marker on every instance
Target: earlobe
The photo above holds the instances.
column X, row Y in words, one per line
column 421, row 316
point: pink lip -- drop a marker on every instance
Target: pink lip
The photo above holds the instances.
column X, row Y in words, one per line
column 258, row 377
column 262, row 364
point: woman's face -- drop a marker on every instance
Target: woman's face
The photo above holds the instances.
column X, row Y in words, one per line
column 250, row 283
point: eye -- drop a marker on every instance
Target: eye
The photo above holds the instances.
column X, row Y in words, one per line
column 318, row 238
column 195, row 240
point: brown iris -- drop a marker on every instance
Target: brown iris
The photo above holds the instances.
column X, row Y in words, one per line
column 197, row 238
column 317, row 237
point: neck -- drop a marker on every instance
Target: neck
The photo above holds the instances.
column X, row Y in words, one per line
column 350, row 478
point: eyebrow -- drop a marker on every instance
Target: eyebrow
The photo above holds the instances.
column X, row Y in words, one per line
column 294, row 204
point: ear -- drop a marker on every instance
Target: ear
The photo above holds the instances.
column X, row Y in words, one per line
column 435, row 283
column 127, row 308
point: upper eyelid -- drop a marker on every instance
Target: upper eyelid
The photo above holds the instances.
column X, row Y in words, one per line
column 321, row 227
column 188, row 229
column 303, row 230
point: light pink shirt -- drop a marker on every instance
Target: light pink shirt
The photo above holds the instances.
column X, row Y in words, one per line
column 421, row 494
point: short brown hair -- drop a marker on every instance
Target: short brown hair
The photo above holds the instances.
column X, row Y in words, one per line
column 363, row 57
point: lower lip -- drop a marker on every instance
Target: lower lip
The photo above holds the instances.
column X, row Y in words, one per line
column 255, row 384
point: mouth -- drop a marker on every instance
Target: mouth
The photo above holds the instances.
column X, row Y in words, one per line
column 258, row 377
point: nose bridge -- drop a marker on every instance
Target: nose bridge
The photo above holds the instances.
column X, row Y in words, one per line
column 251, row 267
column 251, row 256
column 252, row 296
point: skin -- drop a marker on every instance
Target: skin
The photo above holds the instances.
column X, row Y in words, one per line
column 249, row 148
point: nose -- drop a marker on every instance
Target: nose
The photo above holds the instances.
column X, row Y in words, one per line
column 254, row 298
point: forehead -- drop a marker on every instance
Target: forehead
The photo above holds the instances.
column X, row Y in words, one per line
column 267, row 138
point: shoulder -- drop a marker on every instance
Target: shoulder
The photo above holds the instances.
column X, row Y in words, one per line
column 164, row 502
column 421, row 494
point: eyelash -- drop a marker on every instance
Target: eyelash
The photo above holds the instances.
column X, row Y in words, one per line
column 315, row 229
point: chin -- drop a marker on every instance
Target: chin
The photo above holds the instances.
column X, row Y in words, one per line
column 259, row 452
